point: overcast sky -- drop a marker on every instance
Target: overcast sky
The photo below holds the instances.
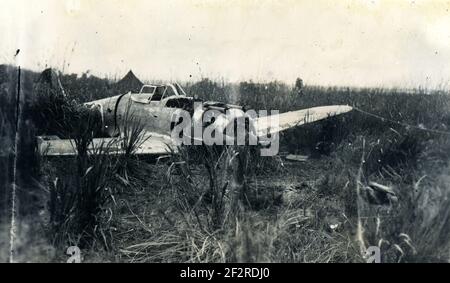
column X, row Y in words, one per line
column 359, row 43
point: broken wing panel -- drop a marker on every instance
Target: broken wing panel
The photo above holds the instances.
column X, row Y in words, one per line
column 269, row 124
column 151, row 144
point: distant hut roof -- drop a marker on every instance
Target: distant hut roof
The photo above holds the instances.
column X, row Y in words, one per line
column 129, row 83
column 48, row 76
column 49, row 79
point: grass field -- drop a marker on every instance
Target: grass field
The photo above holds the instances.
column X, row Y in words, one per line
column 326, row 209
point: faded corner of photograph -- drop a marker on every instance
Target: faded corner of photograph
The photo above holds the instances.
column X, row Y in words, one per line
column 212, row 131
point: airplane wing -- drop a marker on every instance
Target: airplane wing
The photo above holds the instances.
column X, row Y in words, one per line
column 157, row 144
column 151, row 144
column 280, row 122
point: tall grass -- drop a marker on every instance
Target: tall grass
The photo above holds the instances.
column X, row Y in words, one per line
column 132, row 136
column 78, row 198
column 207, row 194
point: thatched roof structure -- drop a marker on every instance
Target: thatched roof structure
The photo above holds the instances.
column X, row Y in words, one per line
column 129, row 83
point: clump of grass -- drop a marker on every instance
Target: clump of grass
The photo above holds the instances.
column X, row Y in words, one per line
column 78, row 203
column 78, row 199
column 132, row 136
column 49, row 110
column 203, row 195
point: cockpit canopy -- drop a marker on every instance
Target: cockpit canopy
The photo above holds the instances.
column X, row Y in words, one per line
column 150, row 93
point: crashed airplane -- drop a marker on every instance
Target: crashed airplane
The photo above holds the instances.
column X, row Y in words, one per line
column 161, row 110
